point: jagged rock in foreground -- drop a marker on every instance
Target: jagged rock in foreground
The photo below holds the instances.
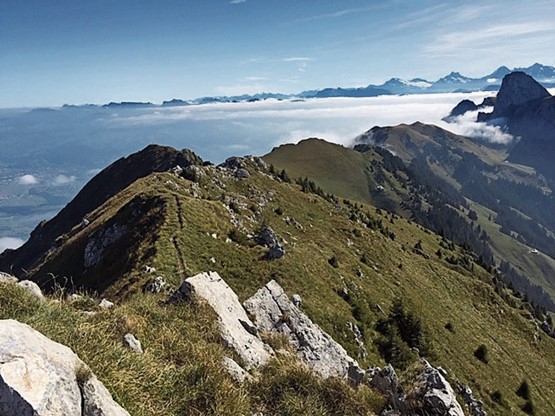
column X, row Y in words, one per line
column 39, row 377
column 274, row 312
column 435, row 393
column 236, row 328
column 430, row 393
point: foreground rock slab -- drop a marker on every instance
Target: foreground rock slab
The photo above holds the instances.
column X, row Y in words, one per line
column 236, row 328
column 274, row 312
column 39, row 377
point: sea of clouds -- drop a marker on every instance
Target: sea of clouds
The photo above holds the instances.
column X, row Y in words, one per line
column 48, row 154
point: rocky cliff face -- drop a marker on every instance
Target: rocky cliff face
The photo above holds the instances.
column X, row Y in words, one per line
column 527, row 111
column 517, row 89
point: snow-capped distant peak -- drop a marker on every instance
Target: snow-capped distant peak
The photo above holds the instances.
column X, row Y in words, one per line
column 492, row 80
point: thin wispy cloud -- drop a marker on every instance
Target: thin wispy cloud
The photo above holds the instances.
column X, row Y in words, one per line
column 237, row 1
column 336, row 14
column 297, row 59
column 255, row 78
column 453, row 43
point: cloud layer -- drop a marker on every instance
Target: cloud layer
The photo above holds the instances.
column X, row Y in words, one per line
column 466, row 125
column 338, row 120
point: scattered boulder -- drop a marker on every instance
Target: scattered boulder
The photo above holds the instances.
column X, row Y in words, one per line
column 434, row 393
column 237, row 329
column 154, row 286
column 359, row 339
column 133, row 343
column 276, row 252
column 39, row 377
column 235, row 370
column 385, row 380
column 242, row 173
column 32, row 288
column 297, row 300
column 475, row 406
column 430, row 393
column 547, row 329
column 267, row 237
column 274, row 312
column 74, row 297
column 106, row 304
column 7, row 278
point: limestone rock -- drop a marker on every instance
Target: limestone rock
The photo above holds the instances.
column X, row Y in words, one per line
column 133, row 343
column 297, row 300
column 106, row 304
column 154, row 286
column 267, row 237
column 39, row 377
column 274, row 312
column 99, row 242
column 385, row 379
column 7, row 278
column 242, row 173
column 435, row 393
column 237, row 330
column 475, row 406
column 235, row 370
column 32, row 288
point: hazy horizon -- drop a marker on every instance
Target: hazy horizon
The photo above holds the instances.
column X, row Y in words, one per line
column 70, row 52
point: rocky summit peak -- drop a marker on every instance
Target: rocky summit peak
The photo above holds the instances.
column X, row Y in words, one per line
column 517, row 88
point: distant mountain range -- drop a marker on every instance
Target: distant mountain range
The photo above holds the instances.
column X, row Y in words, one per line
column 454, row 82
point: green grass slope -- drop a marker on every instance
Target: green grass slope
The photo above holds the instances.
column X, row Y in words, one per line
column 440, row 152
column 348, row 262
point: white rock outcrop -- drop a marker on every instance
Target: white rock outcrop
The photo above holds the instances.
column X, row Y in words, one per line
column 32, row 288
column 39, row 377
column 236, row 328
column 274, row 312
column 7, row 278
column 132, row 343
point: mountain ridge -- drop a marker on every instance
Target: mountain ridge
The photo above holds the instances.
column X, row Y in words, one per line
column 350, row 263
column 453, row 82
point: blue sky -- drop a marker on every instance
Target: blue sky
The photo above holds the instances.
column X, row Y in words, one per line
column 96, row 51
